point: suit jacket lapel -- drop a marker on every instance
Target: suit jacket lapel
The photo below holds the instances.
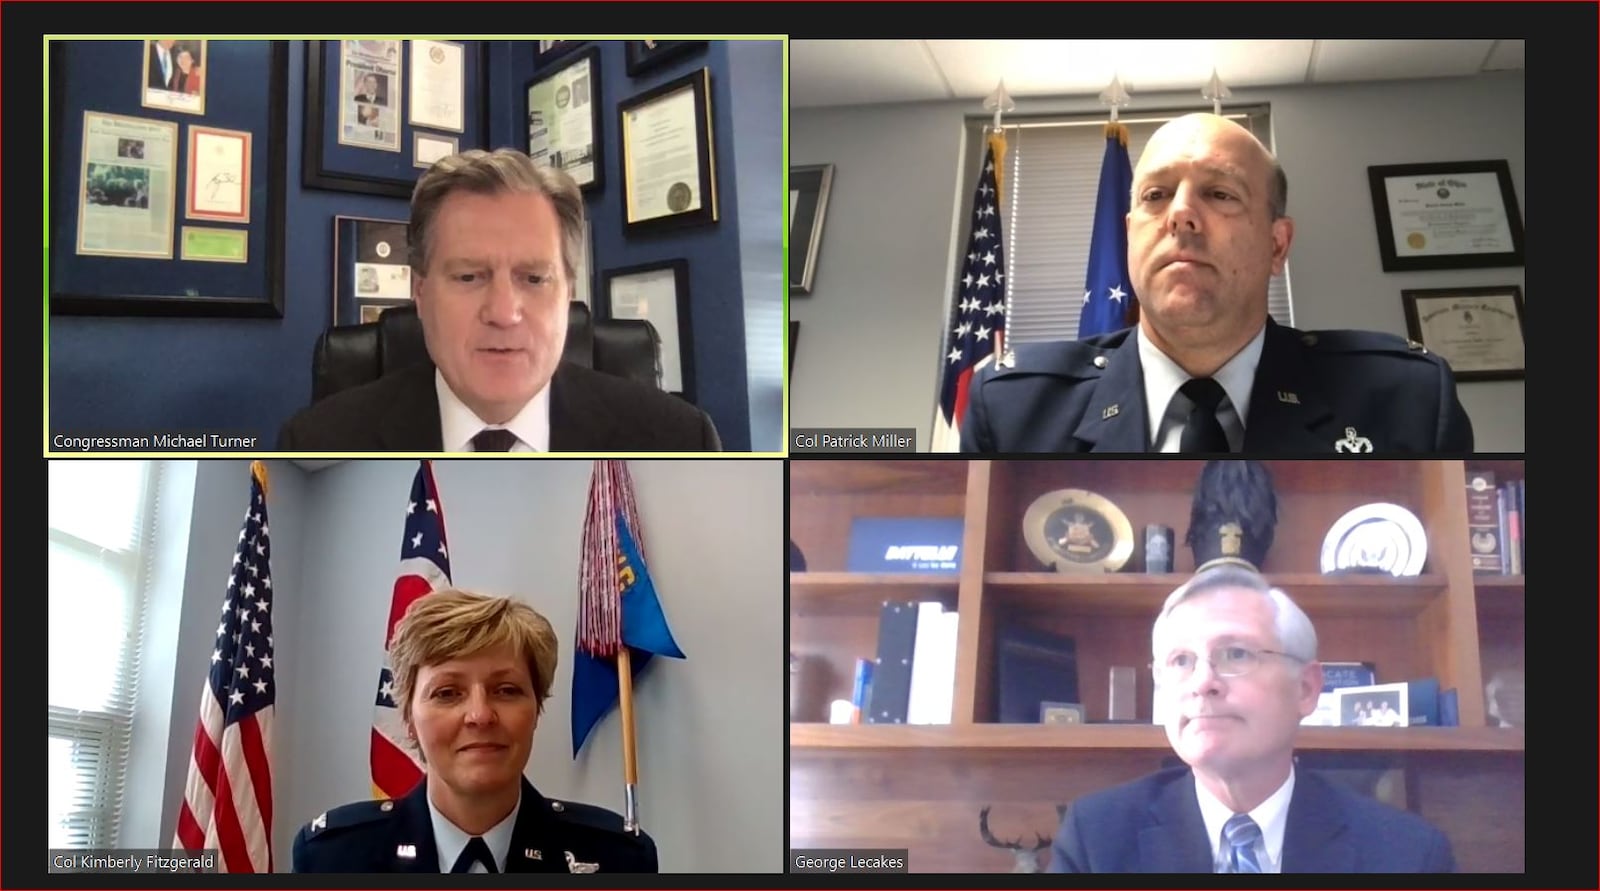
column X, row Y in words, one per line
column 578, row 422
column 413, row 831
column 411, row 421
column 533, row 841
column 1176, row 841
column 1289, row 411
column 1313, row 837
column 1115, row 419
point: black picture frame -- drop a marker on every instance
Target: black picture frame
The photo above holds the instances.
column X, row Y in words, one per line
column 698, row 81
column 351, row 238
column 397, row 175
column 1422, row 305
column 648, row 55
column 809, row 188
column 110, row 294
column 684, row 333
column 1438, row 176
column 590, row 57
column 543, row 55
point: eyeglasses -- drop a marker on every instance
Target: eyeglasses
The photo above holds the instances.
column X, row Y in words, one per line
column 1228, row 661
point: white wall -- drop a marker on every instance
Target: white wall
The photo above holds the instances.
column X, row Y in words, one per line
column 871, row 332
column 711, row 728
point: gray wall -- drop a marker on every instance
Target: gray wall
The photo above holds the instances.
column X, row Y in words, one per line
column 711, row 731
column 872, row 329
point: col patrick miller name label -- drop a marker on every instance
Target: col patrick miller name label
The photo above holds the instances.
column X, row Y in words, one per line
column 853, row 440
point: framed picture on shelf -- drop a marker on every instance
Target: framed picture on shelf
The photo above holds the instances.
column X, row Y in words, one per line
column 669, row 171
column 1376, row 705
column 371, row 268
column 1477, row 330
column 808, row 208
column 647, row 55
column 1455, row 215
column 1061, row 713
column 659, row 294
column 128, row 177
column 563, row 116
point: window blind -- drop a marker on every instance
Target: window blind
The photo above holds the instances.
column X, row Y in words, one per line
column 101, row 515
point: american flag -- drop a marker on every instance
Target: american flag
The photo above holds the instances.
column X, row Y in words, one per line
column 424, row 568
column 227, row 801
column 1109, row 303
column 979, row 319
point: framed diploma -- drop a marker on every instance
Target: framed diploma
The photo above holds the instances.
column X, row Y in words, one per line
column 175, row 75
column 563, row 114
column 669, row 171
column 218, row 184
column 646, row 55
column 1457, row 215
column 659, row 294
column 371, row 267
column 808, row 205
column 1477, row 330
column 438, row 85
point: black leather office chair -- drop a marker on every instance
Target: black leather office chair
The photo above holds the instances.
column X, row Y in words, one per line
column 351, row 355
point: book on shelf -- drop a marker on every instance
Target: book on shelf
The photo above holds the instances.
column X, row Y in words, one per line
column 1484, row 523
column 860, row 690
column 1336, row 676
column 890, row 697
column 933, row 665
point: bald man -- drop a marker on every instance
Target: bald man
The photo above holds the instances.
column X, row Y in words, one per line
column 1206, row 370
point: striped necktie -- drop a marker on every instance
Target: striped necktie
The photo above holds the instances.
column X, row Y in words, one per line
column 1241, row 834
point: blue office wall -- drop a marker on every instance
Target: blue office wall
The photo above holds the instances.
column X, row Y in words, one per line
column 248, row 376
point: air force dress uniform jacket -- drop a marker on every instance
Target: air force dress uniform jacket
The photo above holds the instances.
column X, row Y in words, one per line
column 1315, row 392
column 397, row 836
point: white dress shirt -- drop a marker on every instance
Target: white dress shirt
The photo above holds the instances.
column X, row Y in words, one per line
column 459, row 424
column 1169, row 409
column 451, row 840
column 1271, row 815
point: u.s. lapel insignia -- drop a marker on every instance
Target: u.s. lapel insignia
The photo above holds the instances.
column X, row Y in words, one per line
column 320, row 823
column 1352, row 443
column 574, row 866
column 1289, row 398
column 406, row 852
column 387, row 806
column 533, row 854
column 1111, row 412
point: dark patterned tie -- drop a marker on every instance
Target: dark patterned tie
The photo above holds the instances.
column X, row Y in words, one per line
column 1203, row 432
column 1241, row 833
column 477, row 851
column 494, row 441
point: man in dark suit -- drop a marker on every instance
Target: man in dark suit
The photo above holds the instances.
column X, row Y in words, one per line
column 1206, row 370
column 1235, row 671
column 163, row 66
column 493, row 239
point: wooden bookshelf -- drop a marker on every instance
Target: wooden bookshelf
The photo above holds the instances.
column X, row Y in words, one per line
column 846, row 780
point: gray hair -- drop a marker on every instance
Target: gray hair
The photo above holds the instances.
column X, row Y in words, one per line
column 1277, row 190
column 1292, row 626
column 503, row 170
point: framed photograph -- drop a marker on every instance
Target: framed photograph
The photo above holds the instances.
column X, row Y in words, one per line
column 358, row 136
column 1377, row 705
column 645, row 55
column 438, row 85
column 371, row 267
column 1061, row 713
column 1477, row 330
column 658, row 293
column 563, row 115
column 1455, row 215
column 124, row 181
column 219, row 175
column 808, row 208
column 427, row 148
column 669, row 171
column 547, row 51
column 175, row 75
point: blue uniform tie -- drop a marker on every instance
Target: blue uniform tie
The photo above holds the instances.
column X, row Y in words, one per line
column 1241, row 833
column 476, row 851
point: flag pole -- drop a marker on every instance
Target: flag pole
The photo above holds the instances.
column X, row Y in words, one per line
column 630, row 752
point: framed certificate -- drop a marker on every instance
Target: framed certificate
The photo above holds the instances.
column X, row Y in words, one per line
column 371, row 268
column 1477, row 330
column 808, row 206
column 438, row 85
column 427, row 148
column 669, row 171
column 218, row 184
column 646, row 55
column 659, row 294
column 563, row 115
column 1457, row 215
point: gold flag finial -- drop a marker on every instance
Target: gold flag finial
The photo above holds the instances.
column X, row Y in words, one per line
column 259, row 471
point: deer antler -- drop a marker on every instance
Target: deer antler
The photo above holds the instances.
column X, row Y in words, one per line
column 1043, row 842
column 983, row 830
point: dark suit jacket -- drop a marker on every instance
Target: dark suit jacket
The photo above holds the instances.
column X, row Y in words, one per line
column 589, row 411
column 1154, row 825
column 156, row 79
column 1311, row 389
column 397, row 836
